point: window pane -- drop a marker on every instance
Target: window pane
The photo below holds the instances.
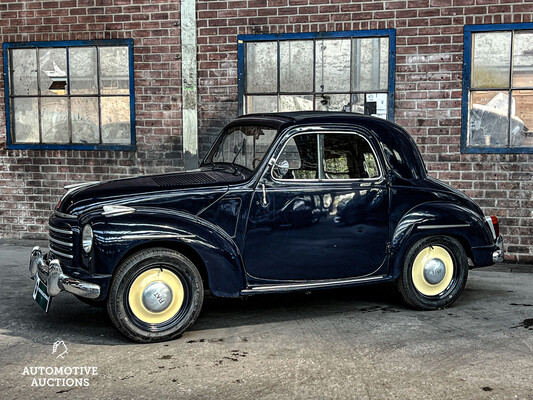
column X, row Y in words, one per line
column 488, row 118
column 261, row 104
column 376, row 104
column 84, row 120
column 370, row 63
column 83, row 70
column 300, row 154
column 53, row 71
column 114, row 70
column 522, row 120
column 296, row 66
column 26, row 120
column 116, row 126
column 491, row 59
column 296, row 103
column 332, row 102
column 523, row 60
column 54, row 120
column 262, row 67
column 24, row 67
column 358, row 103
column 348, row 157
column 333, row 65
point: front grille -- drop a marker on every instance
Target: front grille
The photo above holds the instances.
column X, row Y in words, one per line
column 61, row 241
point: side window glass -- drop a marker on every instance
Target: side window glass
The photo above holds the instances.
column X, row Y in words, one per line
column 348, row 156
column 298, row 160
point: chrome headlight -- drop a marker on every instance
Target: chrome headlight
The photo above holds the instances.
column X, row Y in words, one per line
column 87, row 238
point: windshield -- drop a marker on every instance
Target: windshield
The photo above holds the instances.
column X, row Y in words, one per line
column 243, row 145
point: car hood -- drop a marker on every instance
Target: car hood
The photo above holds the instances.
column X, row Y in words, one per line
column 186, row 191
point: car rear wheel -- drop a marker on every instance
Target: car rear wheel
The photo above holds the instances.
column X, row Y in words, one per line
column 156, row 294
column 434, row 273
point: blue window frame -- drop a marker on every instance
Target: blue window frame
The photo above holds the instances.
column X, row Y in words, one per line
column 330, row 71
column 497, row 101
column 76, row 95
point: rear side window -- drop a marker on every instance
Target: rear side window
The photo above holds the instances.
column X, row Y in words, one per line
column 348, row 156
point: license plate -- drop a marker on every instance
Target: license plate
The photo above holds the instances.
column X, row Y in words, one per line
column 40, row 294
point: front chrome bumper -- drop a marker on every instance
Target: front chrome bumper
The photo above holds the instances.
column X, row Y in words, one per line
column 498, row 255
column 51, row 273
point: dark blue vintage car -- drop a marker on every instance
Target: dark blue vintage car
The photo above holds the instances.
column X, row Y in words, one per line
column 282, row 202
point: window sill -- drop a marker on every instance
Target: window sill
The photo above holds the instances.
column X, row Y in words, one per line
column 52, row 146
column 496, row 150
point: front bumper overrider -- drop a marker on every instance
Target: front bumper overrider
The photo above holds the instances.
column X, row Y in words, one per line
column 50, row 272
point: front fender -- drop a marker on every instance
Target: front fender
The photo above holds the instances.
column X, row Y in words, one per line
column 439, row 219
column 116, row 237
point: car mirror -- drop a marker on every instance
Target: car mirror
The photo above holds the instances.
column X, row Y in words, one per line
column 281, row 168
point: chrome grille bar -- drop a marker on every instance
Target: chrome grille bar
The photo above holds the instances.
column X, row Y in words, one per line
column 60, row 242
column 62, row 231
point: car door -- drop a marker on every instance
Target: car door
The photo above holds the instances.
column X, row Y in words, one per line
column 321, row 212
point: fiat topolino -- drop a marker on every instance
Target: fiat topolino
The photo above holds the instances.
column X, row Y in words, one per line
column 282, row 202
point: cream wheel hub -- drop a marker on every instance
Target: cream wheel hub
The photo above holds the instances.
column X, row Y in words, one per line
column 432, row 271
column 156, row 296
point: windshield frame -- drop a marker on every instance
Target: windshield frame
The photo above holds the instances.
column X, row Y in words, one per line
column 208, row 159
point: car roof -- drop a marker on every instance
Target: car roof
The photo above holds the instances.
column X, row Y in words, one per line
column 399, row 148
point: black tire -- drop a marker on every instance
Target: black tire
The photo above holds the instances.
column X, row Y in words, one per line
column 92, row 302
column 413, row 282
column 126, row 302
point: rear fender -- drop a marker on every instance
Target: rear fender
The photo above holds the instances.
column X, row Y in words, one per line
column 439, row 219
column 115, row 237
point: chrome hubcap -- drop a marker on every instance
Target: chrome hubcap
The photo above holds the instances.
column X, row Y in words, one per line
column 157, row 296
column 434, row 271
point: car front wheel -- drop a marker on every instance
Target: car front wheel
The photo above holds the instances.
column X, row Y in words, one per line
column 156, row 294
column 434, row 273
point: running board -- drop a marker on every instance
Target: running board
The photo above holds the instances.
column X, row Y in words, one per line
column 311, row 285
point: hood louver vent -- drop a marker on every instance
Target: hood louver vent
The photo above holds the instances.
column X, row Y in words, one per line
column 184, row 179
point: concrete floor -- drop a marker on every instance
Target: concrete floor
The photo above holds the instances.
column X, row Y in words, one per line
column 357, row 343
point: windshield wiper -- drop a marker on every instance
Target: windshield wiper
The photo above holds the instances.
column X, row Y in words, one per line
column 235, row 169
column 238, row 152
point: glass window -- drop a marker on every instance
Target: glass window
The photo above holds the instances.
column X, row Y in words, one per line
column 70, row 95
column 348, row 156
column 345, row 71
column 298, row 159
column 245, row 146
column 498, row 89
column 343, row 156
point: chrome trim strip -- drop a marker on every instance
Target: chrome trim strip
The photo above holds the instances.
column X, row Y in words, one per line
column 63, row 231
column 116, row 210
column 63, row 215
column 424, row 227
column 59, row 242
column 488, row 220
column 54, row 251
column 154, row 236
column 294, row 286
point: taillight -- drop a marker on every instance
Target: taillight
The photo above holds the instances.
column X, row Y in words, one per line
column 496, row 224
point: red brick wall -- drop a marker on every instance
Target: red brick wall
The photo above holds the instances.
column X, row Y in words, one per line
column 31, row 181
column 429, row 48
column 428, row 91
